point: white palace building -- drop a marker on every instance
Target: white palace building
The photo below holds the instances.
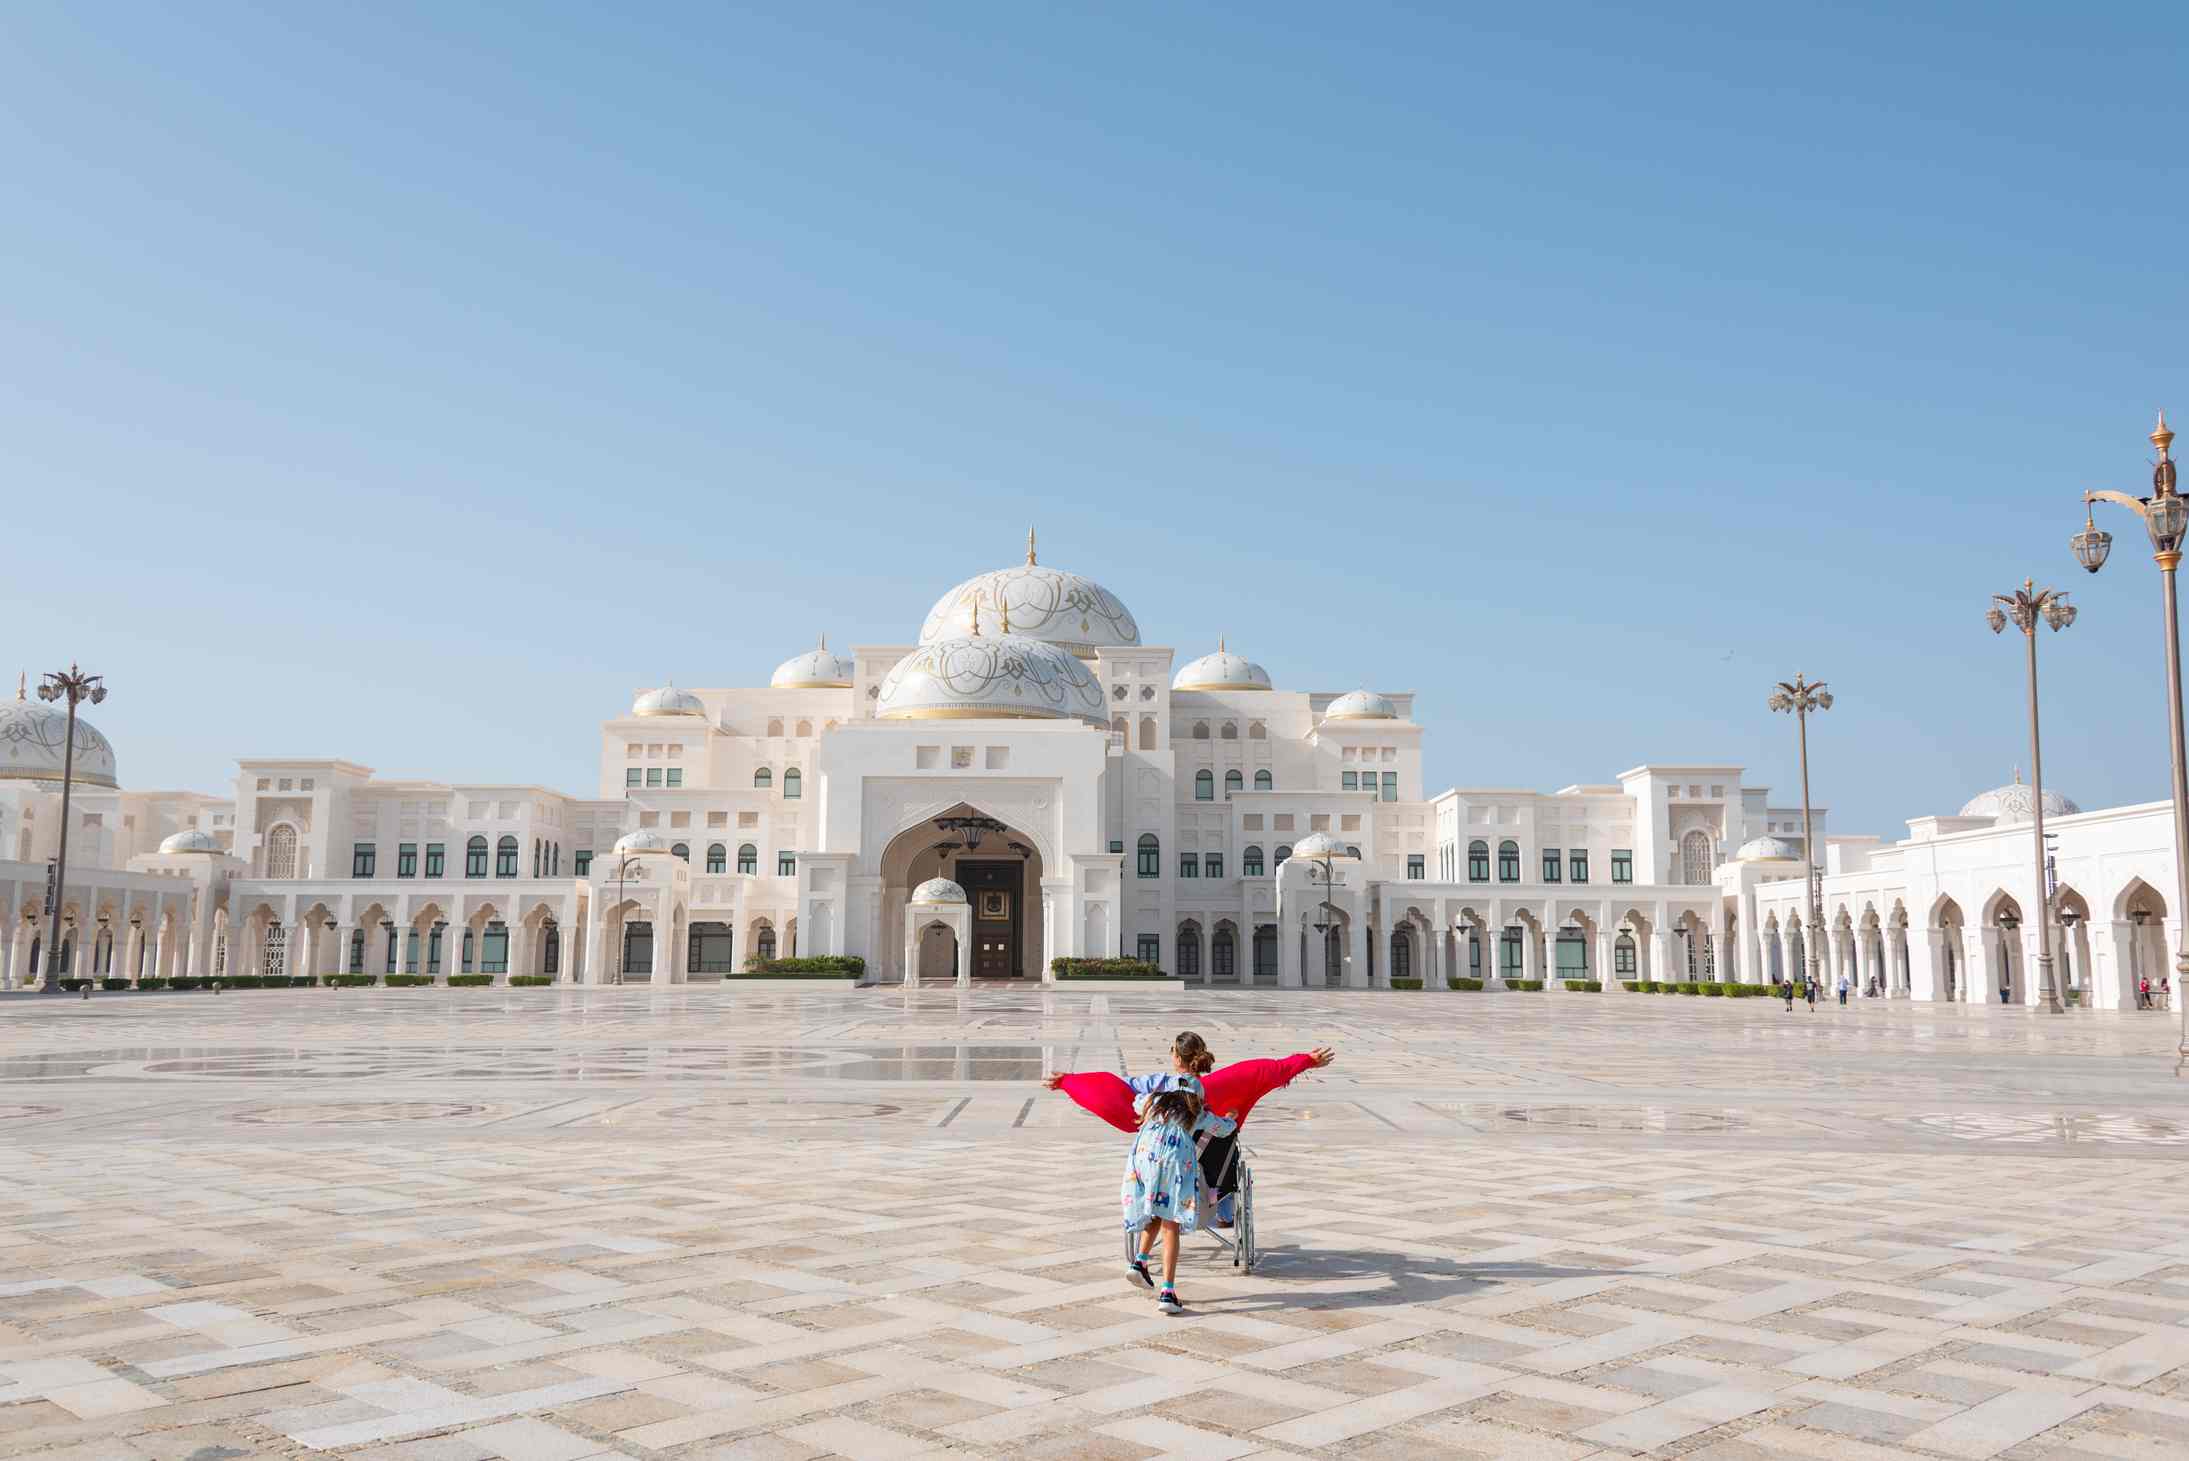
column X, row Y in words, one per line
column 1030, row 780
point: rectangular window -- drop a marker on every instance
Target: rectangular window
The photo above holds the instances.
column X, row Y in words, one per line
column 1417, row 866
column 475, row 858
column 786, row 864
column 406, row 859
column 1151, row 858
column 1150, row 949
column 1390, row 786
column 357, row 951
column 363, row 857
column 1349, row 781
column 1578, row 861
column 632, row 776
column 1550, row 864
column 1478, row 862
column 410, row 952
column 1510, row 957
column 1622, row 955
column 433, row 950
column 676, row 776
column 436, row 859
column 583, row 862
column 1622, row 865
column 1508, row 862
column 1573, row 958
column 653, row 776
column 494, row 950
column 1189, row 865
column 1214, row 864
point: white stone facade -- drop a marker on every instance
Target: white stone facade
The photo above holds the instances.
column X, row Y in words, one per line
column 1092, row 798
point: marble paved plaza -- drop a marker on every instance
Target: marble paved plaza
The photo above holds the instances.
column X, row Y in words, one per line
column 770, row 1222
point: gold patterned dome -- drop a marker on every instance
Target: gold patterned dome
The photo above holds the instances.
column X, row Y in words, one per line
column 1320, row 845
column 938, row 893
column 990, row 677
column 1042, row 603
column 816, row 669
column 668, row 700
column 1222, row 670
column 642, row 843
column 32, row 736
column 191, row 841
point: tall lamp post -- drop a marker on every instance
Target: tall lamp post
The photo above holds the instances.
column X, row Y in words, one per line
column 2026, row 607
column 74, row 686
column 2166, row 519
column 1798, row 697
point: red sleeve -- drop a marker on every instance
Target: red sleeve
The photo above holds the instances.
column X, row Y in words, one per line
column 1105, row 1095
column 1234, row 1090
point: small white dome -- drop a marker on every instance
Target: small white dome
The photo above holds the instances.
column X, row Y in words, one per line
column 938, row 891
column 31, row 733
column 1222, row 670
column 190, row 841
column 1361, row 705
column 816, row 669
column 668, row 700
column 1768, row 849
column 1319, row 845
column 2014, row 803
column 641, row 843
column 1037, row 602
column 990, row 677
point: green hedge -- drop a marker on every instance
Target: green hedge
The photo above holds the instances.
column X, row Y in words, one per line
column 1064, row 968
column 352, row 981
column 1714, row 988
column 1463, row 981
column 1406, row 984
column 152, row 984
column 114, row 984
column 530, row 981
column 410, row 981
column 470, row 981
column 1524, row 983
column 1585, row 986
column 825, row 966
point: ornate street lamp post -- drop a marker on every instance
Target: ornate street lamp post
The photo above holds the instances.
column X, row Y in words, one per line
column 2026, row 607
column 2166, row 519
column 1797, row 697
column 74, row 686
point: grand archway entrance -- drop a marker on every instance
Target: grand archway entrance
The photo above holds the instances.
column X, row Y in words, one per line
column 1000, row 869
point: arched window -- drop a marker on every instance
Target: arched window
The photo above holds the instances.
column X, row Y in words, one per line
column 1233, row 781
column 276, row 945
column 786, row 864
column 1402, row 955
column 793, row 784
column 1622, row 953
column 1265, row 951
column 1695, row 863
column 1263, row 781
column 475, row 858
column 1118, row 726
column 1256, row 731
column 748, row 858
column 1224, row 954
column 1508, row 862
column 805, row 728
column 505, row 858
column 1229, row 731
column 1353, row 852
column 1204, row 785
column 718, row 860
column 764, row 943
column 1478, row 861
column 1250, row 863
column 1200, row 730
column 681, row 850
column 1147, row 732
column 550, row 948
column 763, row 779
column 281, row 852
column 775, row 727
column 1189, row 951
column 1151, row 856
column 1284, row 850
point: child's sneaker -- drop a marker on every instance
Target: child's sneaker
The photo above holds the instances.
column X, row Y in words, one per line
column 1167, row 1301
column 1136, row 1269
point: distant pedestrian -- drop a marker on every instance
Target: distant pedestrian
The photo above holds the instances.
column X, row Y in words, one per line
column 1843, row 986
column 2166, row 993
column 2143, row 994
column 1786, row 988
column 2004, row 991
column 1809, row 992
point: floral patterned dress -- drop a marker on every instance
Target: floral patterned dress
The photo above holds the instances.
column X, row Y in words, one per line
column 1163, row 1174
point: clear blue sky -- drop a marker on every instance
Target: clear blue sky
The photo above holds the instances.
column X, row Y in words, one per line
column 410, row 384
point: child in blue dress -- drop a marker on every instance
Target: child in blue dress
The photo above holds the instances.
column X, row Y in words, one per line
column 1161, row 1190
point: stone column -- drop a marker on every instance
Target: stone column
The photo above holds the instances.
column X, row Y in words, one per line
column 1662, row 968
column 1604, row 973
column 1356, row 948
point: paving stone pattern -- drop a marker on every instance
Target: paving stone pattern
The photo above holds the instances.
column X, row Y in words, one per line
column 433, row 1225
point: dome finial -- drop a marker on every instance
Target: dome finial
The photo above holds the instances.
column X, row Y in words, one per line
column 2017, row 774
column 1030, row 538
column 1005, row 604
column 1221, row 646
column 824, row 641
column 22, row 679
column 2160, row 436
column 976, row 614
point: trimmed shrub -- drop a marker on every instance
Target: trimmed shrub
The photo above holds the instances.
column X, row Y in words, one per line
column 1631, row 986
column 469, row 981
column 73, row 986
column 1525, row 983
column 186, row 984
column 1714, row 988
column 529, row 981
column 114, row 984
column 1065, row 968
column 824, row 966
column 1690, row 986
column 1462, row 981
column 1585, row 986
column 410, row 981
column 1406, row 984
column 352, row 981
column 152, row 984
column 303, row 981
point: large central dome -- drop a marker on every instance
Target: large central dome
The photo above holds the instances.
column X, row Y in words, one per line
column 980, row 676
column 1039, row 603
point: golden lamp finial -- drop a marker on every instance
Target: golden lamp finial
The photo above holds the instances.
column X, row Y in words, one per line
column 976, row 613
column 2160, row 436
column 1221, row 646
column 1029, row 547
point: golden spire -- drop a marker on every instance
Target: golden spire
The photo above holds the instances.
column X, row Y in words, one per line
column 1030, row 540
column 976, row 613
column 824, row 642
column 1221, row 647
column 21, row 679
column 2160, row 436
